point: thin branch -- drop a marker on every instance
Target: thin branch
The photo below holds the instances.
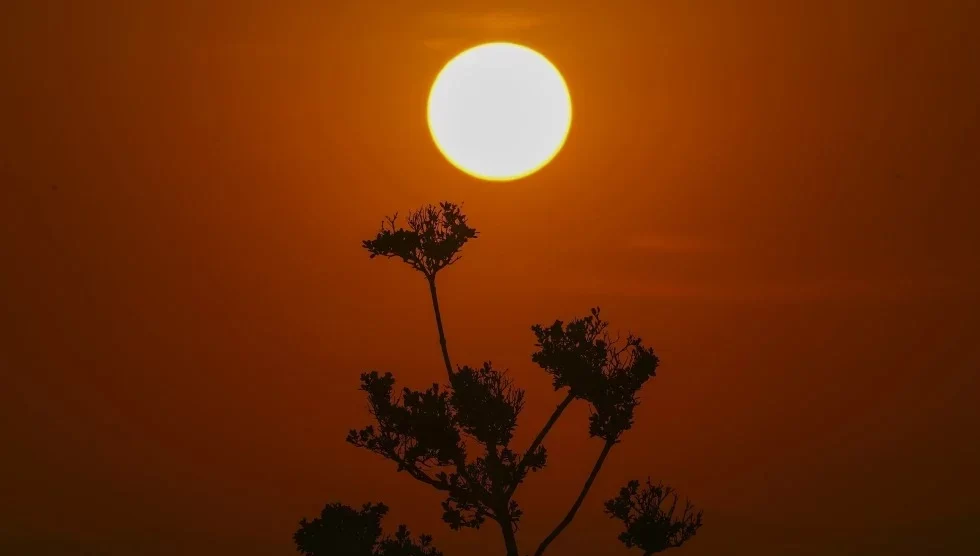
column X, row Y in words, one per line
column 423, row 477
column 537, row 442
column 417, row 473
column 482, row 492
column 442, row 333
column 578, row 502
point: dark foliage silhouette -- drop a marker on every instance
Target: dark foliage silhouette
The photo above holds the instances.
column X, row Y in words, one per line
column 341, row 529
column 456, row 436
column 650, row 526
column 432, row 242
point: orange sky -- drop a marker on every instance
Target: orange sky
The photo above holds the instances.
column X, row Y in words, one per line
column 775, row 195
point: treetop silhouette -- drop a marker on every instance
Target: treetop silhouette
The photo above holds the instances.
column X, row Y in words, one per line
column 432, row 241
column 456, row 436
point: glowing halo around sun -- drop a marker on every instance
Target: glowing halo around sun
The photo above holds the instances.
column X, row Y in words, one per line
column 499, row 111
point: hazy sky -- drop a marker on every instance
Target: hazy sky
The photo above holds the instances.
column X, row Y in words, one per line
column 780, row 197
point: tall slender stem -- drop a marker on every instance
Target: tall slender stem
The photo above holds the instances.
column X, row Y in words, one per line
column 578, row 502
column 510, row 540
column 442, row 333
column 539, row 439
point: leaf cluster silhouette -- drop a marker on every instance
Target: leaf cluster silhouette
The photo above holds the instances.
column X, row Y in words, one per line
column 650, row 526
column 456, row 436
column 341, row 529
column 432, row 241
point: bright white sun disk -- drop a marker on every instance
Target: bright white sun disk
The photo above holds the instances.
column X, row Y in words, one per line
column 499, row 111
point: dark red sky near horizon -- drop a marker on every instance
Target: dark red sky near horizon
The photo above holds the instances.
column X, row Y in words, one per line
column 775, row 195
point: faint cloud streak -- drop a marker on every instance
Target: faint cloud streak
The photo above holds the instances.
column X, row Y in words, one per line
column 445, row 29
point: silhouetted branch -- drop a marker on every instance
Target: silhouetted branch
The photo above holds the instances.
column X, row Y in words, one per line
column 596, row 368
column 510, row 540
column 422, row 429
column 432, row 241
column 442, row 333
column 535, row 456
column 578, row 501
column 600, row 370
column 487, row 406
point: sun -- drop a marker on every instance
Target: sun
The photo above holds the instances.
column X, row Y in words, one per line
column 499, row 111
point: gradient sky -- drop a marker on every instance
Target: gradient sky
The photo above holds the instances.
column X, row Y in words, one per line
column 775, row 195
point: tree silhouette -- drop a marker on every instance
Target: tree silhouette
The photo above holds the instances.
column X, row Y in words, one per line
column 648, row 526
column 456, row 436
column 341, row 529
column 432, row 242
